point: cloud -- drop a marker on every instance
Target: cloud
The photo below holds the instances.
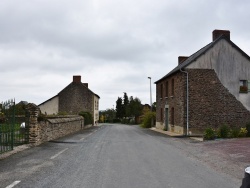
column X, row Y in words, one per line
column 114, row 45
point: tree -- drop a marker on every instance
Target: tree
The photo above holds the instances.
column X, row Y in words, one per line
column 119, row 108
column 125, row 105
column 154, row 107
column 135, row 107
column 108, row 115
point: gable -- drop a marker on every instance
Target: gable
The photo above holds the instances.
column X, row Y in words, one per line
column 197, row 55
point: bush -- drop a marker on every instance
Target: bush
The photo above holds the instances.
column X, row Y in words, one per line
column 243, row 132
column 41, row 117
column 88, row 119
column 248, row 129
column 209, row 134
column 234, row 133
column 147, row 119
column 116, row 121
column 224, row 131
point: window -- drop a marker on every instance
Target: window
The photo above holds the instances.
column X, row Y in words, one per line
column 172, row 116
column 243, row 86
column 172, row 87
column 166, row 89
column 161, row 94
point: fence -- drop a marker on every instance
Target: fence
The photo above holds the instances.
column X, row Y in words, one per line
column 11, row 131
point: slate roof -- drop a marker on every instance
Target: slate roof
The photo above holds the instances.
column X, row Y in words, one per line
column 200, row 52
column 64, row 89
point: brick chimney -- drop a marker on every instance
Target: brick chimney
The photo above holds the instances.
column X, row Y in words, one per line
column 86, row 84
column 181, row 59
column 77, row 79
column 217, row 33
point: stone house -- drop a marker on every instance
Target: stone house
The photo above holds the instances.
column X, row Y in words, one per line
column 207, row 89
column 72, row 99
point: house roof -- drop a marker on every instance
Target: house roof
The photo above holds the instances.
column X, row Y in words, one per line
column 83, row 85
column 200, row 52
column 64, row 89
column 48, row 100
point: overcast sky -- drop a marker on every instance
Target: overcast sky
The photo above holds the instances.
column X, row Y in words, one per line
column 115, row 45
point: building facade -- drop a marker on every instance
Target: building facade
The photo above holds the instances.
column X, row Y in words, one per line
column 207, row 89
column 74, row 98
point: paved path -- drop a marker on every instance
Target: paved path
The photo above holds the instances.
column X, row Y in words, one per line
column 114, row 156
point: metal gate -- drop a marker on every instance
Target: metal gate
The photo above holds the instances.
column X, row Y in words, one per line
column 12, row 133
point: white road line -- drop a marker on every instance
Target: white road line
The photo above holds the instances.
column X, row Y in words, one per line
column 59, row 153
column 13, row 184
column 88, row 135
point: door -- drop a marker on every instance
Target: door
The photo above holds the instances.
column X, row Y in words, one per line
column 166, row 119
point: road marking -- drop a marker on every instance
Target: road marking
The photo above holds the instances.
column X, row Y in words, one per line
column 56, row 155
column 88, row 135
column 13, row 184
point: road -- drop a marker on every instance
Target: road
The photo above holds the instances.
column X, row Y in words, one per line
column 110, row 156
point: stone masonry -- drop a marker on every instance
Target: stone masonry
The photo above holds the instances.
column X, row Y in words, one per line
column 76, row 97
column 51, row 128
column 175, row 101
column 211, row 104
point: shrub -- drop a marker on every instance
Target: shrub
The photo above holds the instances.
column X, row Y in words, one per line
column 248, row 129
column 116, row 121
column 209, row 134
column 147, row 119
column 234, row 133
column 41, row 117
column 125, row 121
column 88, row 119
column 223, row 131
column 243, row 132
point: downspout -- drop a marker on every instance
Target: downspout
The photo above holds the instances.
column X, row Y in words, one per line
column 187, row 102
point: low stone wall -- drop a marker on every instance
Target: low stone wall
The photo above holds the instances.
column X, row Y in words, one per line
column 51, row 128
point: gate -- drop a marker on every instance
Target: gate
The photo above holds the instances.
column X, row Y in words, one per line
column 12, row 133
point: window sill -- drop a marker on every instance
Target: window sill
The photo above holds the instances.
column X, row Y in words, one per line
column 243, row 92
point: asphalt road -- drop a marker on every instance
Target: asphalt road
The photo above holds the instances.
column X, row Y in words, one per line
column 110, row 156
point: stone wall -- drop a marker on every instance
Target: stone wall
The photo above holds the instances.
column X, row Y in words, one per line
column 51, row 128
column 211, row 104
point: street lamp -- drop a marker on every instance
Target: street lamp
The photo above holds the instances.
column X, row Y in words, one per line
column 150, row 94
column 151, row 100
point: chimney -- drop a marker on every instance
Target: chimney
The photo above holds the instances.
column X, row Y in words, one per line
column 181, row 59
column 86, row 84
column 77, row 79
column 217, row 33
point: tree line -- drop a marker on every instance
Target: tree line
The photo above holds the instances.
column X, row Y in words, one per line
column 128, row 110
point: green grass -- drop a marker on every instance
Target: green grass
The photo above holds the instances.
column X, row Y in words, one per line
column 8, row 127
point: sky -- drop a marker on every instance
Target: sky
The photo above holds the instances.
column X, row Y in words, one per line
column 115, row 45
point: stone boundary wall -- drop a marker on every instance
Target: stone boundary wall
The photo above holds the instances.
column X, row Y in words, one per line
column 51, row 128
